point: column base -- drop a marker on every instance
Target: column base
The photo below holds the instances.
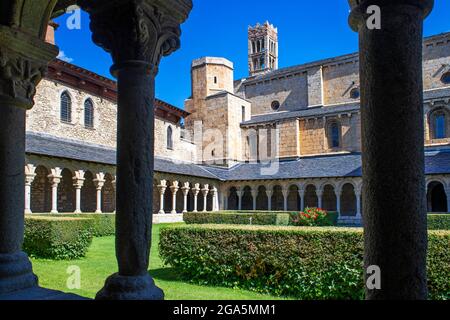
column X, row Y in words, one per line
column 119, row 287
column 54, row 212
column 98, row 212
column 173, row 212
column 161, row 212
column 185, row 211
column 28, row 211
column 16, row 273
column 78, row 212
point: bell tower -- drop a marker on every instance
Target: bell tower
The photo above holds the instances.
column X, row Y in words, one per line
column 262, row 48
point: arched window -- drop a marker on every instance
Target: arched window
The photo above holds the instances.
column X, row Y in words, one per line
column 446, row 78
column 88, row 113
column 439, row 124
column 334, row 135
column 169, row 138
column 66, row 107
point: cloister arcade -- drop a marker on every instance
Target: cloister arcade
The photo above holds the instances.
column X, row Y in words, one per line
column 66, row 189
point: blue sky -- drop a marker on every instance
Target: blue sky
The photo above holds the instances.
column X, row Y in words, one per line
column 308, row 31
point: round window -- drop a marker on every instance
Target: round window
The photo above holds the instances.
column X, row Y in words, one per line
column 355, row 94
column 446, row 78
column 275, row 105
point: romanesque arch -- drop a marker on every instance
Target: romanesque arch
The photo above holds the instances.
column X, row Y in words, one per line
column 233, row 201
column 277, row 198
column 261, row 199
column 311, row 199
column 293, row 199
column 247, row 199
column 88, row 194
column 41, row 193
column 436, row 197
column 66, row 192
column 329, row 198
column 348, row 200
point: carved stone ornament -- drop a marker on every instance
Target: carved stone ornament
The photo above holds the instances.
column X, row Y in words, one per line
column 133, row 31
column 18, row 79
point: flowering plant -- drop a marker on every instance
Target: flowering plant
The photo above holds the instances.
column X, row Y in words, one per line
column 310, row 217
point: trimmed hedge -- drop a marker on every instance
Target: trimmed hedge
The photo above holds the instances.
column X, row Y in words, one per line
column 57, row 238
column 300, row 262
column 439, row 222
column 103, row 225
column 238, row 217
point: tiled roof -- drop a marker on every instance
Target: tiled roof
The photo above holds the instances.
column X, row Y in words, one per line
column 327, row 166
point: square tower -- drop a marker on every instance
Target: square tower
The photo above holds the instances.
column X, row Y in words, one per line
column 262, row 48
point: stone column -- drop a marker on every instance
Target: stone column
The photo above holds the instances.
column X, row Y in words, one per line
column 358, row 192
column 185, row 190
column 55, row 179
column 301, row 194
column 338, row 193
column 23, row 62
column 447, row 192
column 99, row 182
column 239, row 194
column 137, row 34
column 215, row 195
column 162, row 190
column 269, row 193
column 392, row 127
column 285, row 192
column 174, row 188
column 78, row 182
column 30, row 174
column 205, row 192
column 195, row 192
column 254, row 197
column 319, row 193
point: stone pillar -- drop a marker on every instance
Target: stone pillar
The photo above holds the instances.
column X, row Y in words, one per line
column 447, row 192
column 269, row 193
column 301, row 194
column 319, row 192
column 254, row 197
column 358, row 192
column 162, row 190
column 174, row 188
column 392, row 97
column 185, row 190
column 99, row 182
column 55, row 179
column 23, row 62
column 285, row 192
column 30, row 174
column 78, row 182
column 239, row 194
column 137, row 34
column 215, row 195
column 338, row 193
column 195, row 192
column 205, row 192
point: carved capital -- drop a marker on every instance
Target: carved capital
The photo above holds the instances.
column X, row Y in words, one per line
column 135, row 30
column 19, row 77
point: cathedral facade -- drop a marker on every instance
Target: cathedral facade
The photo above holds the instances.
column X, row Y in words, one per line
column 280, row 139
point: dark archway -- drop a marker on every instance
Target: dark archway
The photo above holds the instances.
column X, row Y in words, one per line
column 109, row 195
column 311, row 200
column 348, row 200
column 66, row 192
column 277, row 199
column 436, row 198
column 247, row 199
column 261, row 199
column 293, row 200
column 88, row 194
column 329, row 198
column 41, row 193
column 233, row 201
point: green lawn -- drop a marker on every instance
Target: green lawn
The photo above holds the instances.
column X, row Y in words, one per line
column 100, row 262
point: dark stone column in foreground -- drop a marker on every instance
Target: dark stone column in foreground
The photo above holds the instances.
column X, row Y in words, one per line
column 137, row 34
column 393, row 145
column 23, row 61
